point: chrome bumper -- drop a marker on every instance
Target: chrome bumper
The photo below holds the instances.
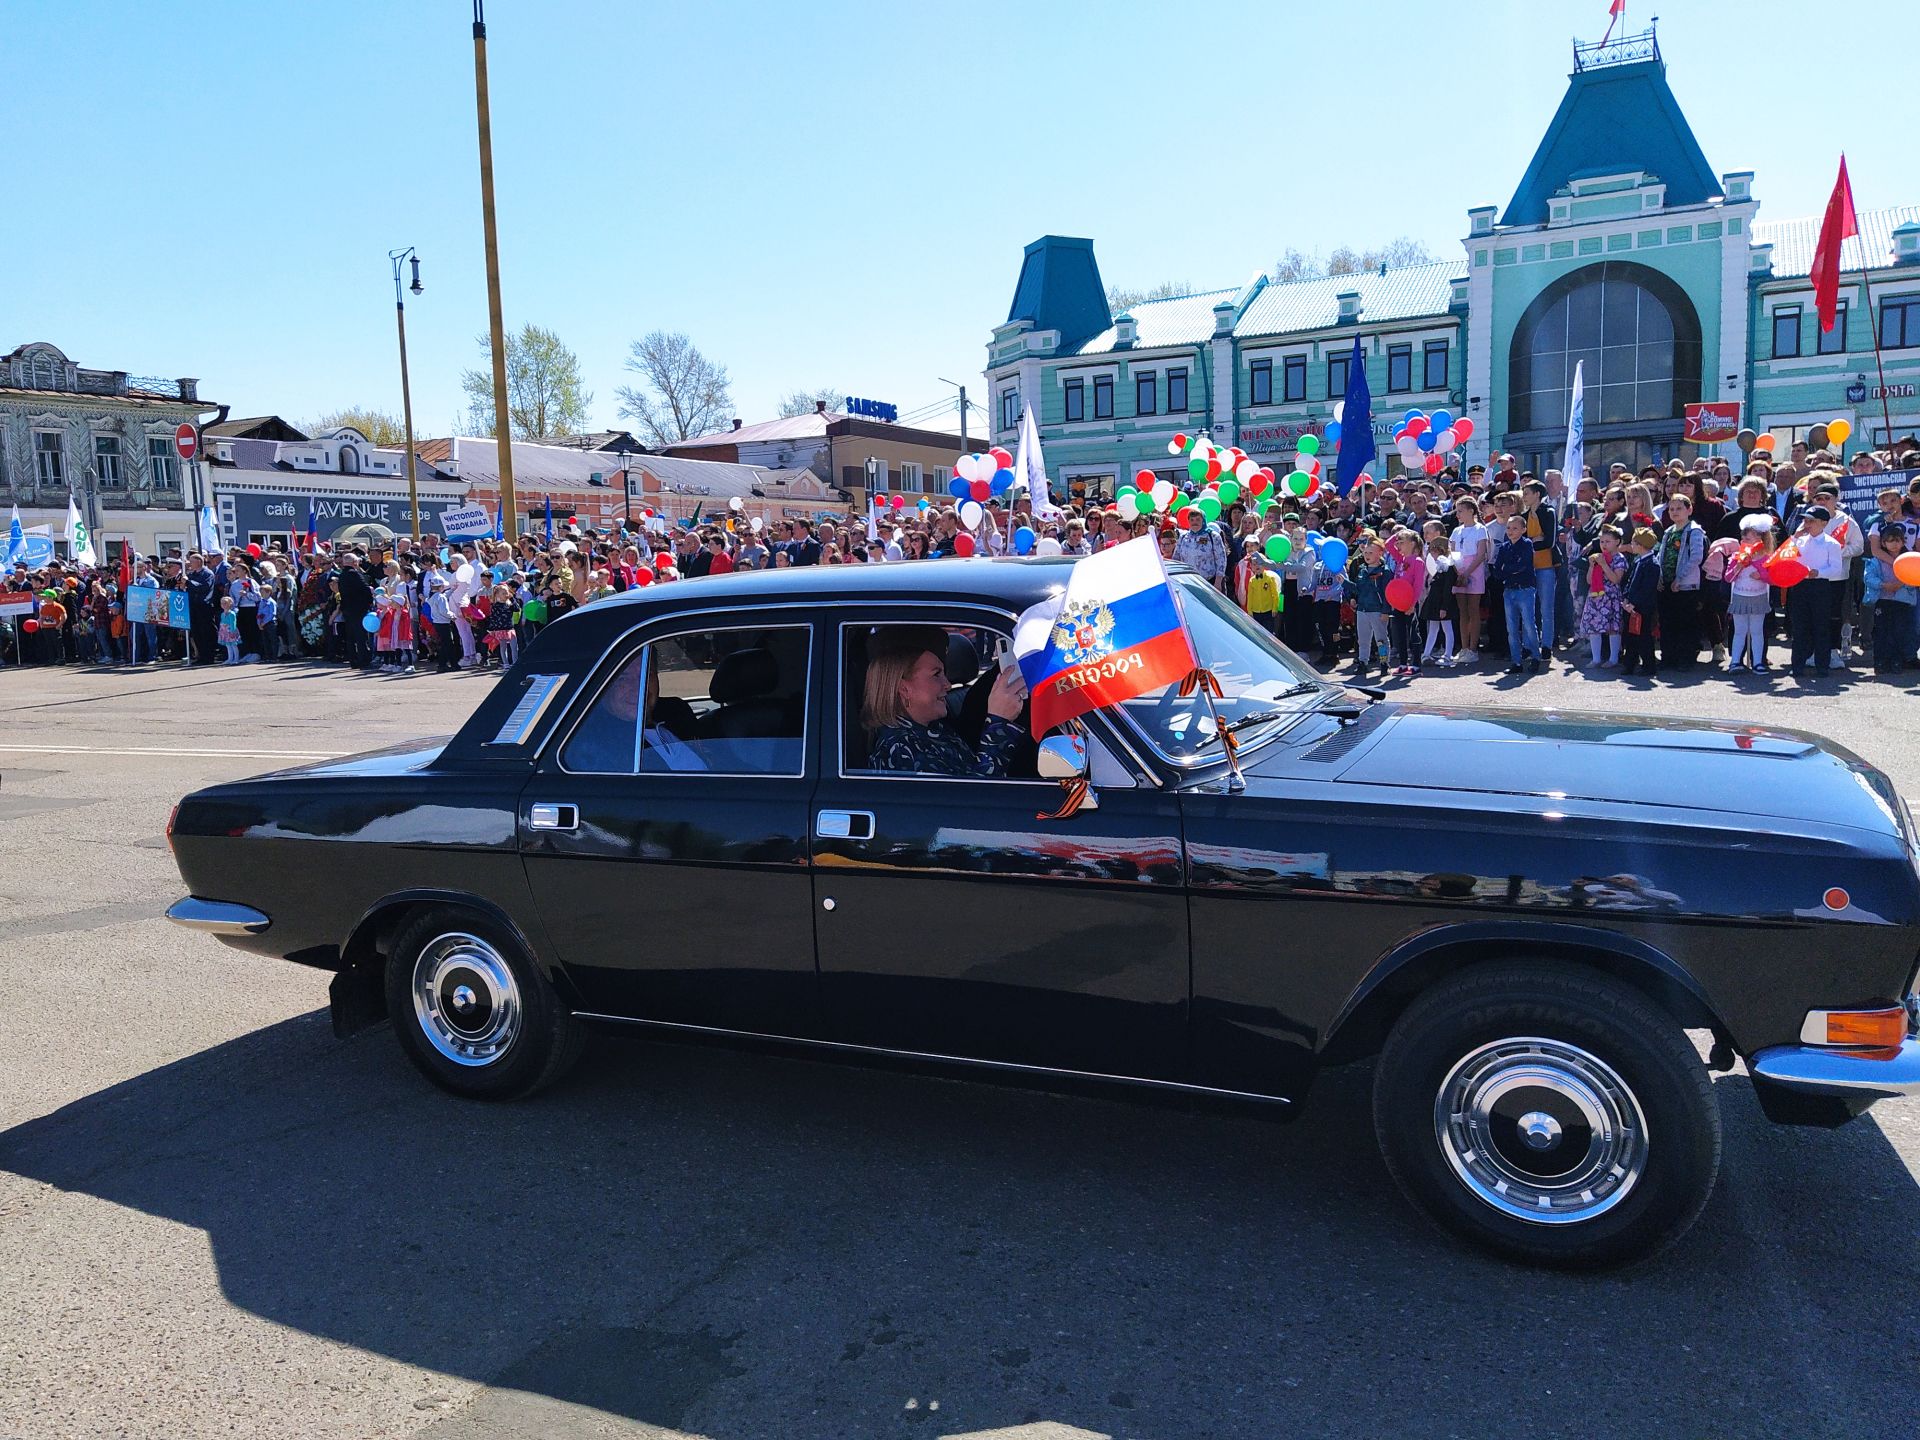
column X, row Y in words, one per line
column 1813, row 1070
column 217, row 917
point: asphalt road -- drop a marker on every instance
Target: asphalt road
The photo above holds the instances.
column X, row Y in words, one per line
column 217, row 1220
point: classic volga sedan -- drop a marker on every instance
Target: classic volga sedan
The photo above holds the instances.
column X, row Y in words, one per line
column 801, row 808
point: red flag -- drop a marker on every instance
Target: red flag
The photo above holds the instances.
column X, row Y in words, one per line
column 1838, row 225
column 1617, row 8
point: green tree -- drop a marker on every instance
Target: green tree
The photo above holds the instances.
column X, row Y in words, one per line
column 1120, row 298
column 378, row 426
column 682, row 393
column 803, row 402
column 545, row 394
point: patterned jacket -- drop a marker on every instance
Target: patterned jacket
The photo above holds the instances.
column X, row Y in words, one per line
column 935, row 750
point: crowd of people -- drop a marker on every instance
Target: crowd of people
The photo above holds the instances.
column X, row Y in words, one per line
column 1620, row 573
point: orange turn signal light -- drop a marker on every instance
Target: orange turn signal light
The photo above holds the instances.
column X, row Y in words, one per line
column 1867, row 1029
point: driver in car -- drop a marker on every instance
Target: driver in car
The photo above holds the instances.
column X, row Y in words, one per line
column 904, row 710
column 605, row 743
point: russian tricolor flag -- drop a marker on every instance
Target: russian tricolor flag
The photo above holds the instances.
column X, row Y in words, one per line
column 1115, row 633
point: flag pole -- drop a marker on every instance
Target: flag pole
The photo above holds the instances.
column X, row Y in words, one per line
column 1873, row 328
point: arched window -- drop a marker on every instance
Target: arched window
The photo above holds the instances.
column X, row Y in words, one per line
column 1635, row 330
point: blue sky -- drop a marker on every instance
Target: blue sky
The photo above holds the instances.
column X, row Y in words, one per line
column 819, row 194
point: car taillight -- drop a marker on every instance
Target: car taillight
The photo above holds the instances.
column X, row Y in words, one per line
column 1881, row 1029
column 172, row 816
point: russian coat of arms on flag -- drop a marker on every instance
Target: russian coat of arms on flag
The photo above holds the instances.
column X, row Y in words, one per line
column 1115, row 633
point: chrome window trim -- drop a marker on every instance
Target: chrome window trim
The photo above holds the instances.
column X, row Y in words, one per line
column 806, row 710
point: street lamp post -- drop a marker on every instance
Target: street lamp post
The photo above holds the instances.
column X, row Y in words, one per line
column 496, row 331
column 400, row 257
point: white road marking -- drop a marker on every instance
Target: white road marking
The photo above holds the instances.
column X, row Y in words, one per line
column 190, row 754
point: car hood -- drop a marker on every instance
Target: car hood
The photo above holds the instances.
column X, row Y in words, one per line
column 1675, row 763
column 372, row 764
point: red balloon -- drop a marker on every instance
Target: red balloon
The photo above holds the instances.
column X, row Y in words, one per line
column 29, row 626
column 1434, row 464
column 1462, row 430
column 981, row 489
column 1400, row 594
column 1145, row 480
column 1313, row 466
column 1786, row 572
column 1213, row 466
column 963, row 544
column 663, row 561
column 1257, row 486
column 643, row 577
column 899, row 501
column 253, row 552
column 1184, row 516
column 1180, row 439
column 1416, row 425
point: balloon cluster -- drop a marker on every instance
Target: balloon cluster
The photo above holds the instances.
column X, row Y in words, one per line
column 1833, row 434
column 1226, row 475
column 1424, row 440
column 1751, row 444
column 982, row 474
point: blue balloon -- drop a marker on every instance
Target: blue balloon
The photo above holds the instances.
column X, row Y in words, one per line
column 1441, row 419
column 1316, row 539
column 1022, row 538
column 1333, row 553
column 959, row 489
column 1413, row 414
column 1002, row 481
column 1333, row 432
column 1425, row 439
column 370, row 623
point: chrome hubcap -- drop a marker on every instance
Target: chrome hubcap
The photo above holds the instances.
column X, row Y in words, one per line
column 1541, row 1130
column 465, row 999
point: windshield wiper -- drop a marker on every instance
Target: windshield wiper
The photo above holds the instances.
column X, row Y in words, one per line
column 1261, row 717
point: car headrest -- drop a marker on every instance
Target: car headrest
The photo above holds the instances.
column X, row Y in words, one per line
column 744, row 675
column 963, row 660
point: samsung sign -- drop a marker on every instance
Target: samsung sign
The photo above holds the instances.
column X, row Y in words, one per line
column 873, row 409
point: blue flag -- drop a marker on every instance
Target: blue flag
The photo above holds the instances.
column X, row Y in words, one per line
column 549, row 522
column 1356, row 423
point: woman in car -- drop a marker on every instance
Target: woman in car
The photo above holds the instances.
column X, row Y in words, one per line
column 904, row 710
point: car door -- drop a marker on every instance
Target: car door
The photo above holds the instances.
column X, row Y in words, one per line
column 953, row 920
column 668, row 857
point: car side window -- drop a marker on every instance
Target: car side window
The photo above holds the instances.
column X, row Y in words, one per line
column 914, row 701
column 728, row 702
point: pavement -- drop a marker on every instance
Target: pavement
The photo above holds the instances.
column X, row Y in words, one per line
column 217, row 1220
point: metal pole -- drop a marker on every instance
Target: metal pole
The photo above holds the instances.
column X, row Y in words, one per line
column 406, row 390
column 963, row 421
column 496, row 331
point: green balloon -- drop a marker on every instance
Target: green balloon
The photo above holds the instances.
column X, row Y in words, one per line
column 1279, row 547
column 1197, row 469
column 1299, row 482
column 1209, row 507
column 1143, row 502
column 1229, row 491
column 1125, row 494
column 1309, row 445
column 1263, row 504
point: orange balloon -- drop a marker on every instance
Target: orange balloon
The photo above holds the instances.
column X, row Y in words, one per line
column 1839, row 430
column 1906, row 568
column 1763, row 442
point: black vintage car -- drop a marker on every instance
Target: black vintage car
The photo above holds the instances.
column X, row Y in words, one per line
column 668, row 815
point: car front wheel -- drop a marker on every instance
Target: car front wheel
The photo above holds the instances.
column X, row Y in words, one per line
column 473, row 1011
column 1550, row 1114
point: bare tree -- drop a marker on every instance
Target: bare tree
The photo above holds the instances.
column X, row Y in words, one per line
column 804, row 402
column 378, row 426
column 545, row 393
column 1345, row 260
column 684, row 394
column 1120, row 298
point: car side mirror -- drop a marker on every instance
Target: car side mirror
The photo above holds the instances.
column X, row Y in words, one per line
column 1063, row 757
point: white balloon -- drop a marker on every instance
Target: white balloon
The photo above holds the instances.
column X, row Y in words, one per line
column 970, row 514
column 1444, row 441
column 1246, row 470
column 1163, row 493
column 965, row 468
column 1046, row 545
column 736, row 504
column 754, row 524
column 1339, row 409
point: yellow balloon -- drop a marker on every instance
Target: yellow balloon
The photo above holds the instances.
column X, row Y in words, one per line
column 1839, row 430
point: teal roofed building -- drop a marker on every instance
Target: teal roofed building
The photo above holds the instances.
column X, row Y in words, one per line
column 1622, row 251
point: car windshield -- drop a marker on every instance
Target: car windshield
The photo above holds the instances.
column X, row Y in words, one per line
column 1261, row 681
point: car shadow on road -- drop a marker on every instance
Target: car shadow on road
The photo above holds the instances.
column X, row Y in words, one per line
column 741, row 1245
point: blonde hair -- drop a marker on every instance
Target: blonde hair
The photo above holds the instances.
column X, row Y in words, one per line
column 887, row 667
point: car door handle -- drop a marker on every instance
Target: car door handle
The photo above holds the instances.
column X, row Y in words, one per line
column 844, row 825
column 553, row 817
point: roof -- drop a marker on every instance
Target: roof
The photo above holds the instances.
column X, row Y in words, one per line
column 719, row 477
column 1615, row 118
column 812, row 425
column 1012, row 583
column 1183, row 320
column 256, row 455
column 248, row 426
column 475, row 459
column 1409, row 293
column 1793, row 241
column 1060, row 289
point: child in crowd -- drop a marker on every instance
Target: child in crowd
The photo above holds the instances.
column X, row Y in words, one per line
column 1640, row 600
column 1748, row 594
column 1600, row 616
column 268, row 614
column 1440, row 607
column 501, row 638
column 1329, row 593
column 1403, row 557
column 1512, row 567
column 1368, row 577
column 1896, row 605
column 229, row 632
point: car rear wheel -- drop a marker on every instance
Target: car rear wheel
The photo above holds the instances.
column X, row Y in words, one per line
column 472, row 1010
column 1552, row 1115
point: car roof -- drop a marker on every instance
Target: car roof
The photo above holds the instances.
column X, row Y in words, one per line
column 1017, row 581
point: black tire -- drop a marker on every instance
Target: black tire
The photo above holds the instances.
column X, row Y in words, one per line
column 494, row 1029
column 1582, row 1046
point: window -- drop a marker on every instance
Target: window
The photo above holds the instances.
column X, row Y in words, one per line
column 1076, row 400
column 910, row 476
column 1009, row 409
column 1786, row 333
column 942, row 477
column 1337, row 376
column 1834, row 341
column 1177, row 392
column 1631, row 332
column 162, row 464
column 1103, row 397
column 1399, row 368
column 49, row 459
column 1146, row 394
column 1295, row 378
column 879, row 658
column 106, row 461
column 1435, row 355
column 1900, row 322
column 1262, row 383
column 715, row 701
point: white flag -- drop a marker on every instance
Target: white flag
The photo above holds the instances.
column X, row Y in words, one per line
column 1030, row 467
column 209, row 529
column 16, row 538
column 1576, row 461
column 78, row 536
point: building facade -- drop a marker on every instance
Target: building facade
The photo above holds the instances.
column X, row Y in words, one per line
column 852, row 454
column 261, row 488
column 103, row 437
column 1622, row 252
